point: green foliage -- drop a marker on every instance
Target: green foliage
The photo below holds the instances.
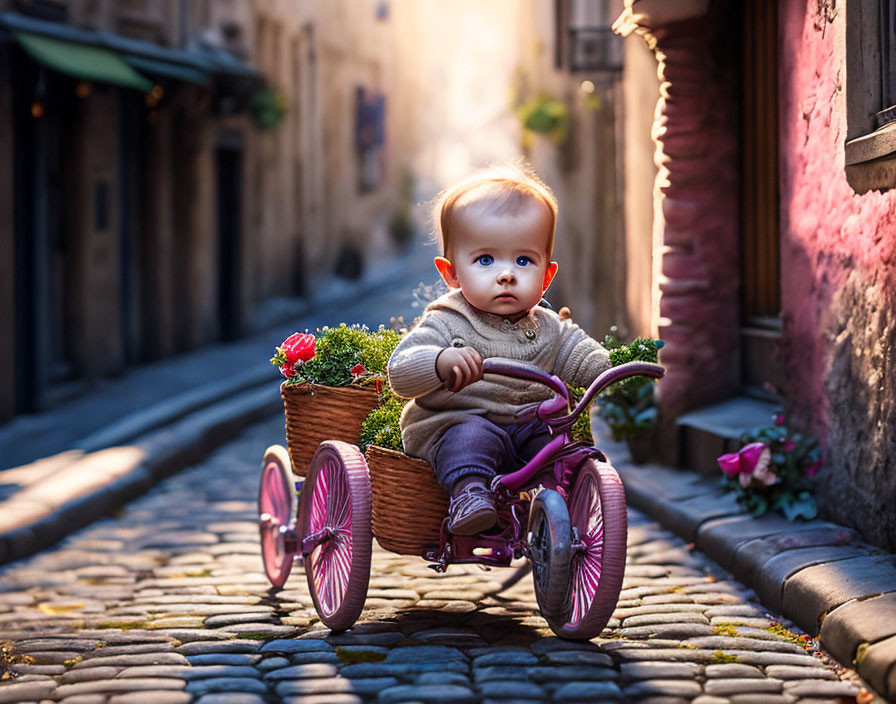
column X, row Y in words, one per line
column 795, row 458
column 581, row 429
column 338, row 350
column 628, row 406
column 376, row 350
column 545, row 116
column 381, row 426
column 267, row 108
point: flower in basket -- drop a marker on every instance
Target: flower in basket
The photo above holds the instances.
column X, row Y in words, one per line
column 339, row 356
column 298, row 348
column 771, row 469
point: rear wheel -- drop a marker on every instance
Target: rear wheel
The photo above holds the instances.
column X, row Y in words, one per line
column 599, row 518
column 276, row 512
column 335, row 513
column 550, row 552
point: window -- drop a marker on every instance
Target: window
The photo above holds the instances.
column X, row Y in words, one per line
column 584, row 38
column 871, row 94
column 370, row 137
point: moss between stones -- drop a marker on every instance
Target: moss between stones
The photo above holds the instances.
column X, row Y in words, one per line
column 726, row 629
column 354, row 656
column 721, row 657
column 123, row 625
column 9, row 657
column 803, row 641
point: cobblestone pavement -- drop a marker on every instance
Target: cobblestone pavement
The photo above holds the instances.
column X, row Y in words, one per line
column 167, row 603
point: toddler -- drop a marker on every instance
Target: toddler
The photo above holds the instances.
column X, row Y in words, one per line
column 496, row 231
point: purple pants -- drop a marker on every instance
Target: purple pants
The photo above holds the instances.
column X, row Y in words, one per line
column 478, row 447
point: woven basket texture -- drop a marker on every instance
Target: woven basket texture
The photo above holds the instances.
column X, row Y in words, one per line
column 318, row 413
column 408, row 503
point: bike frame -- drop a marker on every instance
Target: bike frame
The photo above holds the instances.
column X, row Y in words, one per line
column 555, row 466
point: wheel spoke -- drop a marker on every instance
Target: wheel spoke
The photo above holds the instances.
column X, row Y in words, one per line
column 330, row 562
column 587, row 516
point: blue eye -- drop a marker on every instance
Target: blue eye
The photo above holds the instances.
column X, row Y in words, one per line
column 485, row 259
column 523, row 261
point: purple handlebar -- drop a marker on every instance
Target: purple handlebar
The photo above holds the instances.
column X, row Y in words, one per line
column 549, row 409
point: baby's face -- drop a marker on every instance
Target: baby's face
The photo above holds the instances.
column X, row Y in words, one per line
column 501, row 263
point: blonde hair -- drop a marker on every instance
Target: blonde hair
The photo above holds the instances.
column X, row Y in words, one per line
column 498, row 190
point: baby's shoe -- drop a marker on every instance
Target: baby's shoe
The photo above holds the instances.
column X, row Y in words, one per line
column 472, row 510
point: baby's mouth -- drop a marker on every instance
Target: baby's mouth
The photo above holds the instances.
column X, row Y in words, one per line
column 505, row 297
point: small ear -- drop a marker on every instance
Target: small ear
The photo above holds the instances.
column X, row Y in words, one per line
column 446, row 269
column 549, row 276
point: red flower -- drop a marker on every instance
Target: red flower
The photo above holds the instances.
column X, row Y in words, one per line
column 298, row 347
column 358, row 370
column 287, row 370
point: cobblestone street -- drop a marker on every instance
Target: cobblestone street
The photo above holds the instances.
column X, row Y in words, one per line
column 167, row 602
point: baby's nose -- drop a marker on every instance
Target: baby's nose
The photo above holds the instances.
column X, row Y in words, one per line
column 506, row 277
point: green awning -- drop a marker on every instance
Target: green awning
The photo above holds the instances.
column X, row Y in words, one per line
column 167, row 69
column 88, row 63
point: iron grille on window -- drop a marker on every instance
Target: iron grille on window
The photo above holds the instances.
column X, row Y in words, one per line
column 594, row 49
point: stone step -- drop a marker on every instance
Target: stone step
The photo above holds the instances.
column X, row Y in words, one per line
column 708, row 432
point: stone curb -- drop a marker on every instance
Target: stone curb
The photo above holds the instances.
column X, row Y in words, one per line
column 818, row 574
column 73, row 497
column 77, row 486
column 173, row 409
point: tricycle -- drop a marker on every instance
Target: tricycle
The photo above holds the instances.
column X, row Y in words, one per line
column 564, row 511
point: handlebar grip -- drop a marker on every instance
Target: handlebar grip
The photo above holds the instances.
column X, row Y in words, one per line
column 523, row 370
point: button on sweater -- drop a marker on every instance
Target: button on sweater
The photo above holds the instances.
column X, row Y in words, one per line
column 557, row 346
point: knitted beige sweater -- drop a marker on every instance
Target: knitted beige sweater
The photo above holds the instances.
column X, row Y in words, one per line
column 557, row 346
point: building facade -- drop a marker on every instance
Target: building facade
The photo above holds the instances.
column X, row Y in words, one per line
column 774, row 233
column 172, row 165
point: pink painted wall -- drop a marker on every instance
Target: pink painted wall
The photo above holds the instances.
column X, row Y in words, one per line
column 838, row 282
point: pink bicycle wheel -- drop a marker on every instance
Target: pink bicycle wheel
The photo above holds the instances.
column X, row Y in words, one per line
column 336, row 508
column 276, row 510
column 598, row 513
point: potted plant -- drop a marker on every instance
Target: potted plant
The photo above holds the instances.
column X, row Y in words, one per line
column 333, row 379
column 629, row 408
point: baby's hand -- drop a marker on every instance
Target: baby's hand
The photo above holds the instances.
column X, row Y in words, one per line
column 458, row 367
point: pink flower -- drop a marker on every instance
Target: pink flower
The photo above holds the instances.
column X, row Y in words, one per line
column 779, row 419
column 789, row 446
column 358, row 370
column 298, row 347
column 813, row 468
column 750, row 462
column 730, row 464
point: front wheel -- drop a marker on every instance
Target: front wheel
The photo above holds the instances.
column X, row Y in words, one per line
column 337, row 533
column 276, row 512
column 599, row 518
column 549, row 549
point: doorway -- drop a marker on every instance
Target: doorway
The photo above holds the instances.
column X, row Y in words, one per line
column 760, row 257
column 229, row 170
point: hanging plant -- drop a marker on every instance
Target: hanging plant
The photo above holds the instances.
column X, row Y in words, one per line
column 545, row 116
column 268, row 108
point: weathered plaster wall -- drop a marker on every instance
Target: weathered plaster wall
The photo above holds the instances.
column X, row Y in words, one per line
column 838, row 282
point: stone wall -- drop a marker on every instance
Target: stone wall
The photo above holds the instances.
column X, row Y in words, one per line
column 838, row 282
column 695, row 217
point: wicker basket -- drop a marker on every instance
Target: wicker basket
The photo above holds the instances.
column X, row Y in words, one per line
column 408, row 503
column 318, row 413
